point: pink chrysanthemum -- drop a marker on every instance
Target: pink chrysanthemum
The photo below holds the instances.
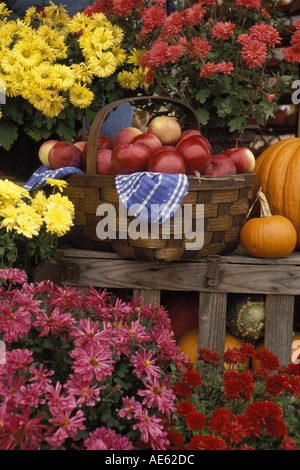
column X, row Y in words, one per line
column 173, row 24
column 13, row 275
column 193, row 15
column 152, row 17
column 93, row 360
column 159, row 395
column 14, row 323
column 198, row 48
column 107, row 439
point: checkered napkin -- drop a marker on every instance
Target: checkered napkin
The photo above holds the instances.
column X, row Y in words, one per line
column 39, row 177
column 152, row 197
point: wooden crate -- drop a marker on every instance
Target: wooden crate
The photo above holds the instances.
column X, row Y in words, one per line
column 213, row 277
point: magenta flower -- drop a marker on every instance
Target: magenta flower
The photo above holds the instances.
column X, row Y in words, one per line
column 107, row 439
column 93, row 360
column 151, row 428
column 57, row 322
column 13, row 275
column 130, row 407
column 158, row 395
column 67, row 426
column 83, row 388
column 14, row 323
column 144, row 364
column 90, row 332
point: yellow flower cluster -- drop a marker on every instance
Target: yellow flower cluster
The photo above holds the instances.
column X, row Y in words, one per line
column 36, row 63
column 28, row 215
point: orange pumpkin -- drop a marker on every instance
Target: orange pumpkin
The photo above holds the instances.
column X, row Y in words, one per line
column 268, row 236
column 278, row 174
column 188, row 344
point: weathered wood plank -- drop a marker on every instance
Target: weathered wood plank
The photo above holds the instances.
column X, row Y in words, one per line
column 234, row 278
column 279, row 326
column 150, row 296
column 212, row 321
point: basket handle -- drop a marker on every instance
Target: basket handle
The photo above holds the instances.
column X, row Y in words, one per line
column 91, row 164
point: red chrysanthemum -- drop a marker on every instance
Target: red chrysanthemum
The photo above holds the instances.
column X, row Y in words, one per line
column 249, row 4
column 193, row 15
column 198, row 48
column 173, row 24
column 175, row 437
column 123, row 7
column 276, row 384
column 175, row 52
column 182, row 390
column 185, row 407
column 206, row 355
column 238, row 385
column 192, row 377
column 207, row 442
column 288, row 444
column 223, row 30
column 267, row 359
column 152, row 17
column 254, row 53
column 158, row 55
column 265, row 33
column 291, row 55
column 195, row 420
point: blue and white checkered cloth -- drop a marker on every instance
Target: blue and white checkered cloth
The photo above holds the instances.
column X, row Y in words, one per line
column 152, row 197
column 40, row 176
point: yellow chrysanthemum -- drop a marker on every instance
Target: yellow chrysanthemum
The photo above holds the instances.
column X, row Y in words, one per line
column 28, row 209
column 58, row 199
column 27, row 53
column 120, row 55
column 39, row 202
column 58, row 220
column 35, row 95
column 12, row 88
column 53, row 103
column 80, row 96
column 9, row 60
column 60, row 184
column 102, row 38
column 26, row 225
column 78, row 22
column 128, row 80
column 29, row 15
column 118, row 34
column 100, row 19
column 103, row 64
column 42, row 74
column 82, row 73
column 62, row 77
column 58, row 46
column 4, row 11
column 11, row 192
column 9, row 212
column 140, row 75
column 1, row 114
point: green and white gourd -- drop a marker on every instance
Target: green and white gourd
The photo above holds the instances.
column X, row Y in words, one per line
column 246, row 316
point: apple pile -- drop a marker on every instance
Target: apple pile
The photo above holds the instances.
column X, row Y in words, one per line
column 164, row 148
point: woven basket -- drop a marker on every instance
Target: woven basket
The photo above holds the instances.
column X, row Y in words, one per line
column 225, row 200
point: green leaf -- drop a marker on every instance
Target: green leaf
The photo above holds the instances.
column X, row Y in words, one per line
column 202, row 95
column 202, row 115
column 236, row 124
column 8, row 134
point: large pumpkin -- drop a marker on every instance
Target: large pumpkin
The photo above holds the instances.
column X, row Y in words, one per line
column 278, row 174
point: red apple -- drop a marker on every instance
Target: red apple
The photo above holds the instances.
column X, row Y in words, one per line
column 44, row 152
column 166, row 161
column 200, row 137
column 150, row 140
column 195, row 154
column 104, row 164
column 103, row 142
column 64, row 154
column 80, row 144
column 166, row 129
column 221, row 165
column 242, row 157
column 189, row 132
column 130, row 158
column 125, row 136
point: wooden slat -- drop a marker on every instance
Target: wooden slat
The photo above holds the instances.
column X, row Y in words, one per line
column 279, row 326
column 212, row 321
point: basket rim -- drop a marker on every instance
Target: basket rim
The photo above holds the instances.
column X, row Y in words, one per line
column 196, row 183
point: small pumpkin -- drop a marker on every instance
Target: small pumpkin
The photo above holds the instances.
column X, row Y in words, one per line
column 278, row 173
column 245, row 316
column 268, row 236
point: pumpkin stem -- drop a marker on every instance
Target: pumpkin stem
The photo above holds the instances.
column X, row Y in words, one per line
column 264, row 205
